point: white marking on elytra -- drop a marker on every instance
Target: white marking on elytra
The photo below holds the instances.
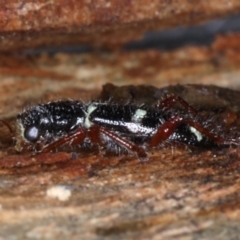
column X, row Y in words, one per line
column 91, row 108
column 138, row 128
column 198, row 135
column 139, row 115
column 44, row 120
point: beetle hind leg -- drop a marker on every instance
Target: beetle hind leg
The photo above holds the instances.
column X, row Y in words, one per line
column 168, row 128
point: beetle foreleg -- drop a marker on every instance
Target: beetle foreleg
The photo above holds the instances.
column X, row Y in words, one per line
column 75, row 137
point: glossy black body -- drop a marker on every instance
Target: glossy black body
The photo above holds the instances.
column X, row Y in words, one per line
column 53, row 120
column 49, row 122
column 119, row 118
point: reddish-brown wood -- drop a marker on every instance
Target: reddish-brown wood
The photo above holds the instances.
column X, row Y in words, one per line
column 109, row 24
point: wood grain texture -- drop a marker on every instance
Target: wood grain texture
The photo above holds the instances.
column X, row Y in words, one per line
column 177, row 194
column 31, row 24
column 27, row 80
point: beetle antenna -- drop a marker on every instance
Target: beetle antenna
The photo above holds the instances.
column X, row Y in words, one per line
column 7, row 125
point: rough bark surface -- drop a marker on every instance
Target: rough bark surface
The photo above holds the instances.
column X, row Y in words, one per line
column 30, row 24
column 177, row 194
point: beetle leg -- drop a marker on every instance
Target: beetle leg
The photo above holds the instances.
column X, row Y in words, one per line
column 7, row 125
column 93, row 133
column 125, row 143
column 217, row 139
column 75, row 137
column 167, row 129
column 170, row 101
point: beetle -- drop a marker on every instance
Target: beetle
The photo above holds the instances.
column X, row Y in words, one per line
column 105, row 124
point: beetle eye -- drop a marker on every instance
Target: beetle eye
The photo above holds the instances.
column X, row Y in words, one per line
column 31, row 133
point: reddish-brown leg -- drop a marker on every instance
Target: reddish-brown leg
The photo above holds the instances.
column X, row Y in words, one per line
column 94, row 135
column 74, row 138
column 217, row 139
column 7, row 125
column 170, row 101
column 167, row 129
column 125, row 143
